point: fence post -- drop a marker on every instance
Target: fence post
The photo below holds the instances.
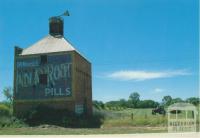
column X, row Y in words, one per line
column 131, row 116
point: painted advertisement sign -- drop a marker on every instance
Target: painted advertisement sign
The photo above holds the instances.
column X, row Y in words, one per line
column 40, row 81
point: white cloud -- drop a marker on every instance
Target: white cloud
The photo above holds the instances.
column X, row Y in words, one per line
column 145, row 75
column 157, row 91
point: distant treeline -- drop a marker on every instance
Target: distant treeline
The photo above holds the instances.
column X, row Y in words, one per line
column 135, row 102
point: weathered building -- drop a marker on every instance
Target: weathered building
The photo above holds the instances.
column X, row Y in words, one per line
column 53, row 73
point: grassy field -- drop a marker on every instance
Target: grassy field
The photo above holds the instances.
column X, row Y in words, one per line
column 133, row 117
column 141, row 117
column 125, row 121
column 77, row 131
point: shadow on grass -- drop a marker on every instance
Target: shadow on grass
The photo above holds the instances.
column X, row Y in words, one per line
column 44, row 115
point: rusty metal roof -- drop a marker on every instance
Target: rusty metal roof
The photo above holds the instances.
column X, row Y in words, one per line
column 49, row 44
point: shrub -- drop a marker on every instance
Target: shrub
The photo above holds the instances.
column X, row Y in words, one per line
column 10, row 121
column 4, row 110
column 45, row 115
column 51, row 116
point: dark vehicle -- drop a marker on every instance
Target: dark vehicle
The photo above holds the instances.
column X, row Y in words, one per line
column 159, row 110
column 174, row 111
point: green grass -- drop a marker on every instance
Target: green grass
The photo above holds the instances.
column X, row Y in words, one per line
column 115, row 122
column 67, row 131
column 141, row 117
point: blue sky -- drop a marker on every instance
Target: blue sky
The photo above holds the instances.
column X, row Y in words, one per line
column 148, row 46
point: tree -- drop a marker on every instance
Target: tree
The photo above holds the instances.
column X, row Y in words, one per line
column 134, row 98
column 148, row 104
column 167, row 100
column 176, row 100
column 130, row 104
column 98, row 104
column 8, row 93
column 193, row 100
column 123, row 103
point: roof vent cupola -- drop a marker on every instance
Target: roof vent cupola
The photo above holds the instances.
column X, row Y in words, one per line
column 56, row 25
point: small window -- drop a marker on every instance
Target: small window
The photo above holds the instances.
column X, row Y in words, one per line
column 43, row 59
column 43, row 79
